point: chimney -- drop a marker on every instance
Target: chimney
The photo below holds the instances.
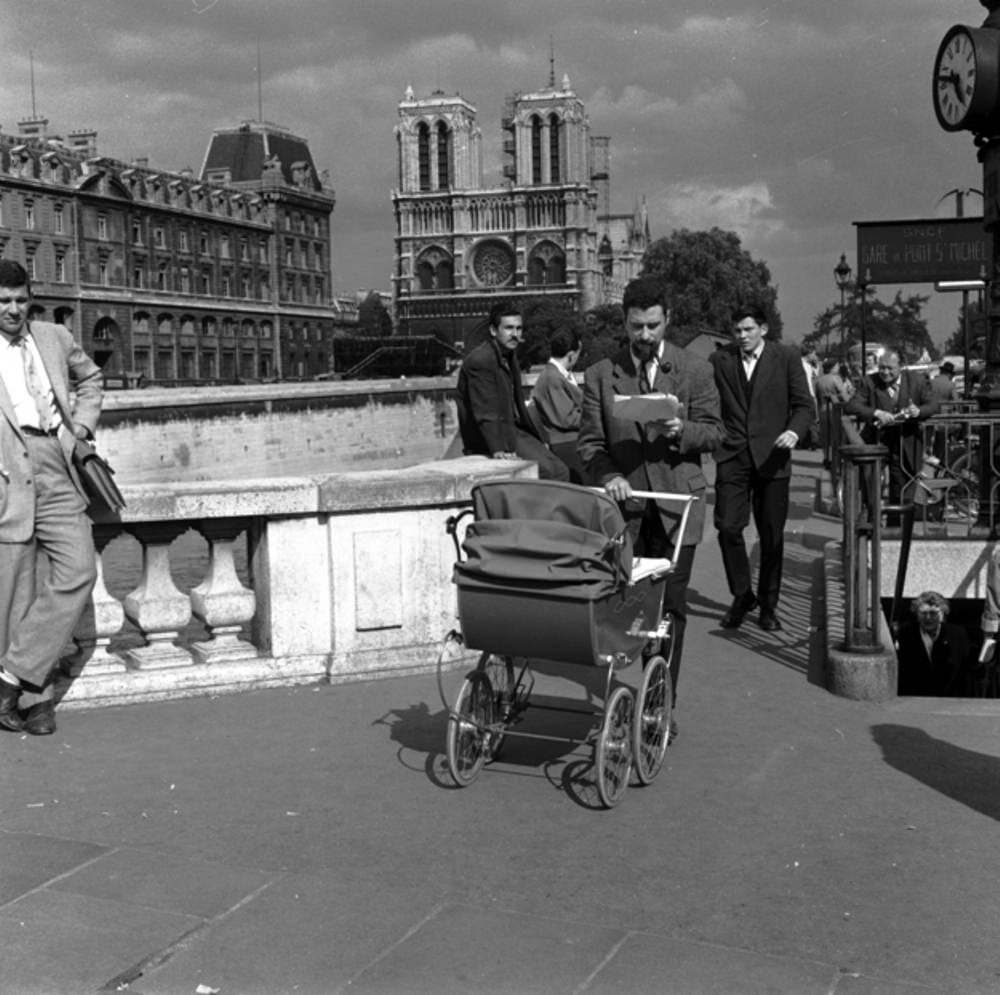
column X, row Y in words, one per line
column 33, row 127
column 84, row 141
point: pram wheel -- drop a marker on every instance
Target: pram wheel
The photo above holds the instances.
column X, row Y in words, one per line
column 651, row 729
column 613, row 751
column 469, row 733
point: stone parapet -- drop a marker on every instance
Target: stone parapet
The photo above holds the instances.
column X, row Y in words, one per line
column 349, row 575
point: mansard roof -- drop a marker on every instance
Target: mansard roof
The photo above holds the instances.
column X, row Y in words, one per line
column 246, row 150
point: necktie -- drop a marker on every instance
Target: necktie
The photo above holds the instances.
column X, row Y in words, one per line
column 645, row 383
column 36, row 388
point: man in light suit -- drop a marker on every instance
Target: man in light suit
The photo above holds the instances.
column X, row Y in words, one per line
column 766, row 409
column 622, row 456
column 42, row 506
column 558, row 399
column 492, row 416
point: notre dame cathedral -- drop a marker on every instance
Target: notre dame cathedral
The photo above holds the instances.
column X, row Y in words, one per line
column 546, row 230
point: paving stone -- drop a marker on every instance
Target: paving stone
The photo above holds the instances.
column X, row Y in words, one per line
column 465, row 949
column 28, row 861
column 164, row 881
column 659, row 965
column 60, row 944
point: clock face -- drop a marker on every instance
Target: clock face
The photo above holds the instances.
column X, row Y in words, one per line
column 955, row 75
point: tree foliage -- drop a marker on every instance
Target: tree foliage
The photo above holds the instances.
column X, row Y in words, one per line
column 978, row 328
column 373, row 317
column 708, row 274
column 898, row 325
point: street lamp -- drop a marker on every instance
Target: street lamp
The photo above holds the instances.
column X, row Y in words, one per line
column 842, row 274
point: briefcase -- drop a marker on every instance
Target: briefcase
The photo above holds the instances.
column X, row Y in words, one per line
column 97, row 477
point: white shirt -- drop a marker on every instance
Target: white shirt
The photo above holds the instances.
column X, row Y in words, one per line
column 750, row 360
column 12, row 373
column 651, row 367
column 568, row 374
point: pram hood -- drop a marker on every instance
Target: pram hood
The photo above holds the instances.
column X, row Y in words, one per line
column 546, row 535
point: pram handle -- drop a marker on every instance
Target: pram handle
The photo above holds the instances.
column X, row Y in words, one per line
column 686, row 499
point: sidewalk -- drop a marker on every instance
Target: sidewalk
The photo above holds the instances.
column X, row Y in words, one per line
column 309, row 840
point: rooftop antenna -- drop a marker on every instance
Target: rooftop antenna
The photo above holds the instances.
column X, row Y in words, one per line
column 31, row 63
column 552, row 62
column 260, row 91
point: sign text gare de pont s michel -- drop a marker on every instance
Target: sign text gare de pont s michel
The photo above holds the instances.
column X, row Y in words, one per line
column 937, row 250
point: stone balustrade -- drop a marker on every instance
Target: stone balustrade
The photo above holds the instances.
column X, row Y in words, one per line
column 349, row 577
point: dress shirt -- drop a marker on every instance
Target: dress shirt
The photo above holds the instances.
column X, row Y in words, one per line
column 928, row 640
column 12, row 373
column 651, row 367
column 568, row 374
column 750, row 360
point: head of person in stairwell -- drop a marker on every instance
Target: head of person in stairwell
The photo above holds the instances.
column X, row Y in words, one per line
column 15, row 298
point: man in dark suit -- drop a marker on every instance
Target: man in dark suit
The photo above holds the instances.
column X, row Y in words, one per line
column 766, row 409
column 933, row 654
column 42, row 505
column 492, row 417
column 891, row 404
column 622, row 456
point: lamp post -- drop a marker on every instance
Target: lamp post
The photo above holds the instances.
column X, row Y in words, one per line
column 842, row 274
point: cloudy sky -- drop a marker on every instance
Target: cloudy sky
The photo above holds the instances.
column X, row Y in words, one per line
column 784, row 121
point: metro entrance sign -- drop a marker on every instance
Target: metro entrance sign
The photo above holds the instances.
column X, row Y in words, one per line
column 931, row 251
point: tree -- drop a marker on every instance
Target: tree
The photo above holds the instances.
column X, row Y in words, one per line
column 709, row 274
column 899, row 325
column 373, row 318
column 955, row 346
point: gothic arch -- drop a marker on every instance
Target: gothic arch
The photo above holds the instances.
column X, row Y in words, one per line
column 546, row 265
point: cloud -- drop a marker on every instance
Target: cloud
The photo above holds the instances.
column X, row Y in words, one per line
column 747, row 210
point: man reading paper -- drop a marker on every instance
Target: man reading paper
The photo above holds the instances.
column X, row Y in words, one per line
column 657, row 454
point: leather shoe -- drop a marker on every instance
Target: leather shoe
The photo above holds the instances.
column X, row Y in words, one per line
column 769, row 622
column 41, row 719
column 742, row 604
column 672, row 735
column 10, row 717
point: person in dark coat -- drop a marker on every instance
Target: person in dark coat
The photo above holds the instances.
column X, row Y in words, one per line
column 933, row 654
column 492, row 417
column 892, row 404
column 622, row 455
column 766, row 410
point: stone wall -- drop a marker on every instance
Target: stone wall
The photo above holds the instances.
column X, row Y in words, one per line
column 273, row 430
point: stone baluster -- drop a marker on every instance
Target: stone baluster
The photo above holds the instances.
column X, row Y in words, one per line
column 221, row 601
column 156, row 606
column 102, row 619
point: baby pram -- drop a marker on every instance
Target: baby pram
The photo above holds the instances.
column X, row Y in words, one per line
column 548, row 574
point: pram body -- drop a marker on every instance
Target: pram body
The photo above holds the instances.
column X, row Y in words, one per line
column 548, row 573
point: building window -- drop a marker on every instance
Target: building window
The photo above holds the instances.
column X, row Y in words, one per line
column 227, row 285
column 29, row 265
column 141, row 361
column 536, row 150
column 304, row 254
column 102, row 227
column 185, row 240
column 57, row 219
column 424, row 155
column 137, row 277
column 554, row 167
column 244, row 250
column 265, row 329
column 289, row 253
column 224, row 246
column 136, row 233
column 262, row 250
column 60, row 267
column 203, row 242
column 245, row 286
column 318, row 256
column 443, row 156
column 160, row 237
column 104, row 273
column 208, row 365
column 29, row 215
column 161, row 277
column 206, row 282
column 185, row 280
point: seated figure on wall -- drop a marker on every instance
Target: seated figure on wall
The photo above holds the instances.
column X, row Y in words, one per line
column 933, row 654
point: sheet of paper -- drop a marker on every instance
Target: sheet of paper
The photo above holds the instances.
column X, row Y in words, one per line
column 646, row 407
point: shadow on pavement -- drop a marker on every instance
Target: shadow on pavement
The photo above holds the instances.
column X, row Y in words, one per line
column 800, row 644
column 963, row 775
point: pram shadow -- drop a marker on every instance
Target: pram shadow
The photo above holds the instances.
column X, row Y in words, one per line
column 800, row 643
column 564, row 711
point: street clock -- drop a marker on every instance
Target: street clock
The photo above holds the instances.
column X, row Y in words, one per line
column 967, row 79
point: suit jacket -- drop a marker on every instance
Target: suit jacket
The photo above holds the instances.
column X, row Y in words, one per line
column 755, row 414
column 67, row 366
column 903, row 439
column 942, row 673
column 559, row 403
column 490, row 404
column 610, row 447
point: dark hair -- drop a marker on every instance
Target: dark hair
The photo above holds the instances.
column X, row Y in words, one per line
column 754, row 311
column 503, row 309
column 829, row 365
column 645, row 292
column 564, row 341
column 13, row 274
